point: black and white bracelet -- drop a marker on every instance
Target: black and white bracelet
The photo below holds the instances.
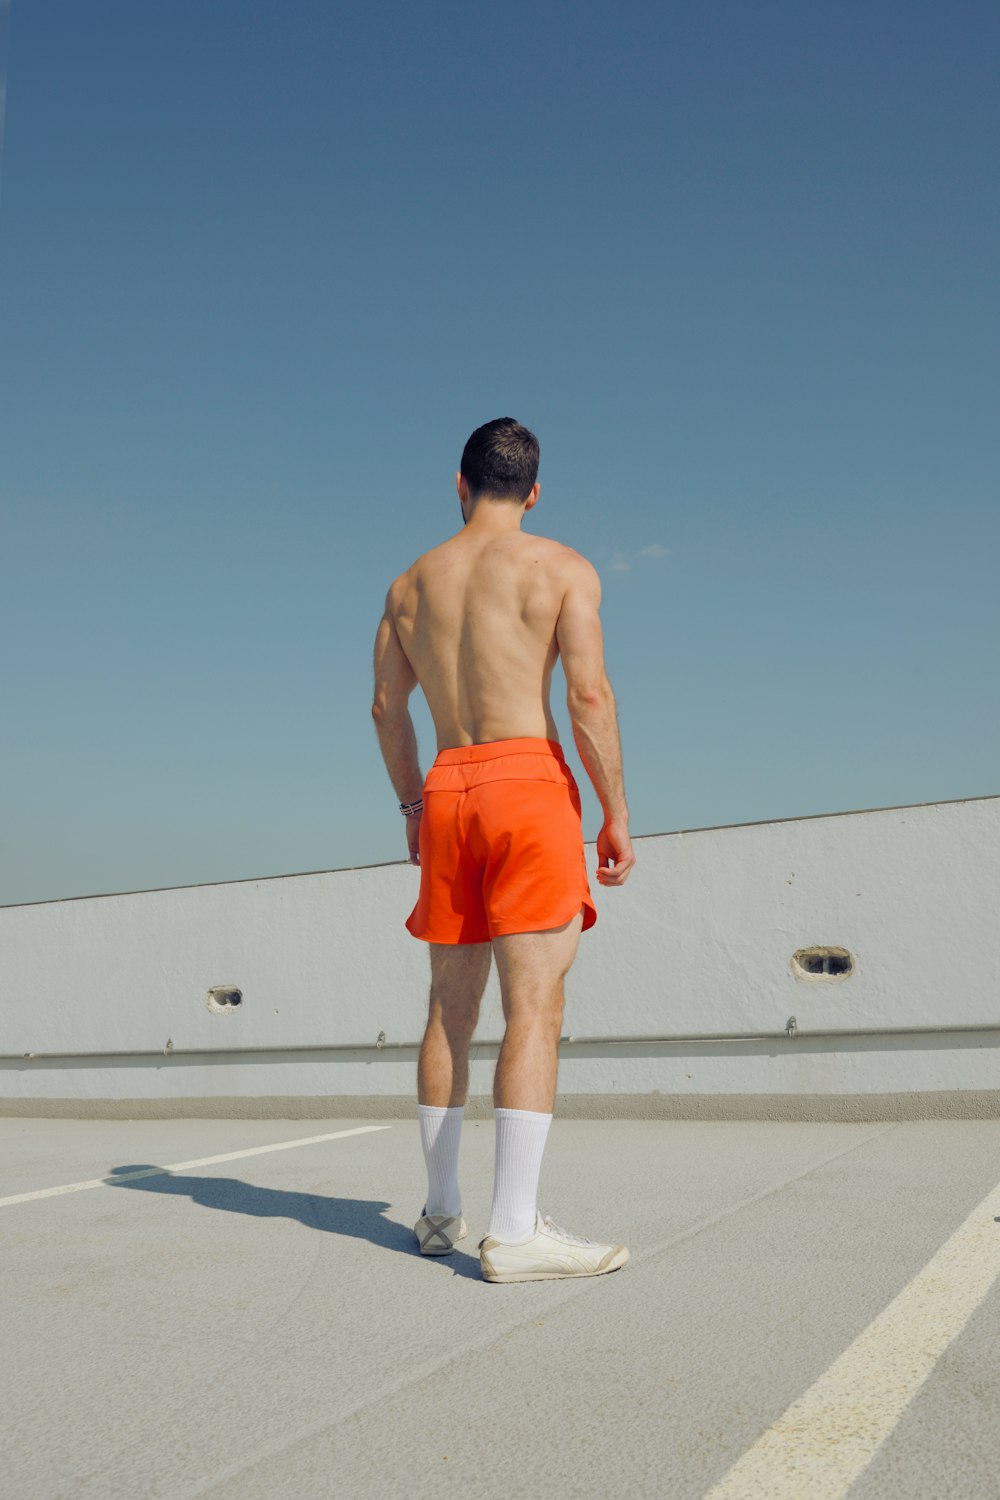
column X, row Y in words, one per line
column 409, row 808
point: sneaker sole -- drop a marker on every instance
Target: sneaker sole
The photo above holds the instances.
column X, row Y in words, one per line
column 616, row 1263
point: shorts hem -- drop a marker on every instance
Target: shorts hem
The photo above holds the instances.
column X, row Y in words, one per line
column 510, row 929
column 451, row 942
column 589, row 918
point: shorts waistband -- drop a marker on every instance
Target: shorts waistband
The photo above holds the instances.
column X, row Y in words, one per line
column 460, row 755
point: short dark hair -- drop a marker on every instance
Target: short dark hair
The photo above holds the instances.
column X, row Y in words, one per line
column 501, row 460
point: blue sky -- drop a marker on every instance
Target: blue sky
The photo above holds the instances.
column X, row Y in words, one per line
column 265, row 267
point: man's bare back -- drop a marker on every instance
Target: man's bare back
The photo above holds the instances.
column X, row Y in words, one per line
column 476, row 618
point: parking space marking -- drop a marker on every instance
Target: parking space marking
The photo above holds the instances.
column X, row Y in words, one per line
column 183, row 1166
column 822, row 1442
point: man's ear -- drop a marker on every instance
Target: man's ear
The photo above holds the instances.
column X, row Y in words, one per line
column 462, row 485
column 535, row 490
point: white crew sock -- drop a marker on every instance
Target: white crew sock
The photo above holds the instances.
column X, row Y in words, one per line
column 440, row 1134
column 520, row 1141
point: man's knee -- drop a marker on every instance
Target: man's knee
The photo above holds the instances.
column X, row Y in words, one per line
column 456, row 1013
column 535, row 1005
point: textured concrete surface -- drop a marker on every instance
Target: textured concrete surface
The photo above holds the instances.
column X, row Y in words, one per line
column 265, row 1327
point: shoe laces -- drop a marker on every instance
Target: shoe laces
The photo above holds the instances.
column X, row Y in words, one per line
column 573, row 1239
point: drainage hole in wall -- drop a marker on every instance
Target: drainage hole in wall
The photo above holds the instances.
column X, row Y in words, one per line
column 822, row 963
column 224, row 997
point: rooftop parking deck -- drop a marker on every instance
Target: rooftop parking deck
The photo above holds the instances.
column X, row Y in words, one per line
column 809, row 1310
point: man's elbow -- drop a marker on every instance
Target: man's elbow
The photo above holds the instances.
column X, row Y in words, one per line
column 589, row 698
column 385, row 712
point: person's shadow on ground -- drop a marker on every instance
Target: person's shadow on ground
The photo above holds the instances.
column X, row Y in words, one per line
column 360, row 1218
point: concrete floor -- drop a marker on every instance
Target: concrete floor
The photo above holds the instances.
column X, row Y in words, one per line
column 264, row 1327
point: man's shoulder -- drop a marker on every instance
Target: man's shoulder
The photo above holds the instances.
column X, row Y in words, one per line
column 405, row 585
column 419, row 565
column 399, row 587
column 571, row 565
column 561, row 552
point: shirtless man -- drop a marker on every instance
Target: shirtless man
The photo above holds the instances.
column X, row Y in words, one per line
column 496, row 830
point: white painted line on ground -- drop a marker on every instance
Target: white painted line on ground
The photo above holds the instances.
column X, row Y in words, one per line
column 821, row 1443
column 182, row 1166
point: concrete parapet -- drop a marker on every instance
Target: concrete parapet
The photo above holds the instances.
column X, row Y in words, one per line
column 836, row 967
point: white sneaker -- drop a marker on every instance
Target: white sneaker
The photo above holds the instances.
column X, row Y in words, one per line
column 437, row 1233
column 551, row 1252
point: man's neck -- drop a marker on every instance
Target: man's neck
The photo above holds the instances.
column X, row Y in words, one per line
column 493, row 518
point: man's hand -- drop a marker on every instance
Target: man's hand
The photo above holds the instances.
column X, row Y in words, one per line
column 413, row 837
column 614, row 847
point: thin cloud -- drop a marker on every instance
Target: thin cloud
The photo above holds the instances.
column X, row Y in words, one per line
column 620, row 561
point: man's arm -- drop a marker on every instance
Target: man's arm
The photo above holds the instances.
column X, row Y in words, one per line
column 592, row 711
column 395, row 680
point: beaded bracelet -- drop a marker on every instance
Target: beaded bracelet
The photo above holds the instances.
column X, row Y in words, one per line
column 409, row 808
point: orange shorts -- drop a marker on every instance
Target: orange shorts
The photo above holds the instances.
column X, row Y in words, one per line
column 501, row 844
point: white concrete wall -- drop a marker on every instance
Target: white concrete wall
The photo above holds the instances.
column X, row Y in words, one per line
column 700, row 940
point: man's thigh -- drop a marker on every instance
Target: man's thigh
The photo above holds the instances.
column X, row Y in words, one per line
column 531, row 965
column 459, row 972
